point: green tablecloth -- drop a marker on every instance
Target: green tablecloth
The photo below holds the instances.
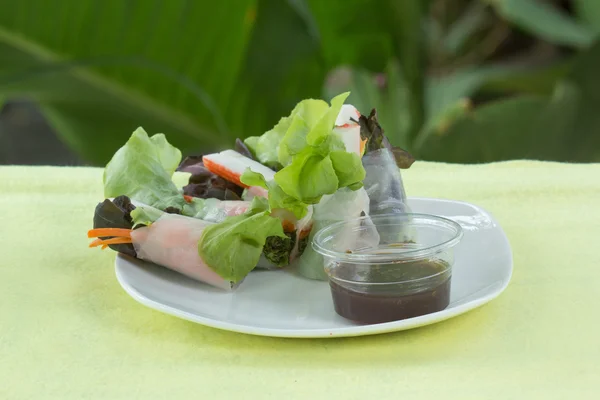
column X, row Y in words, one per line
column 68, row 331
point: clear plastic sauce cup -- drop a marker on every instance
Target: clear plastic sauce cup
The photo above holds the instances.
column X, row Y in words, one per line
column 389, row 267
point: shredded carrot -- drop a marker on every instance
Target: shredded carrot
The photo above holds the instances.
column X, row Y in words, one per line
column 96, row 242
column 188, row 198
column 104, row 246
column 363, row 143
column 288, row 226
column 101, row 232
column 223, row 172
column 305, row 232
column 118, row 240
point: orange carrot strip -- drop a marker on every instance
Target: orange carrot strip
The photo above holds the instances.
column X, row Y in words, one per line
column 363, row 143
column 96, row 242
column 100, row 232
column 305, row 232
column 187, row 198
column 288, row 226
column 223, row 172
column 118, row 240
column 104, row 246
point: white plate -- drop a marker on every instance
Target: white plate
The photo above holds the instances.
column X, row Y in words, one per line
column 279, row 303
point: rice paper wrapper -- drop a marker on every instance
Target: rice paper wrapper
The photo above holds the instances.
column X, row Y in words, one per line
column 383, row 184
column 172, row 242
column 214, row 210
column 343, row 205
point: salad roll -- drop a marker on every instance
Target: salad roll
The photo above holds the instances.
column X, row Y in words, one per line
column 257, row 205
column 344, row 205
column 172, row 242
column 219, row 254
column 383, row 183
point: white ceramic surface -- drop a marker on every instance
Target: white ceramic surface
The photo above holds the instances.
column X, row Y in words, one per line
column 280, row 303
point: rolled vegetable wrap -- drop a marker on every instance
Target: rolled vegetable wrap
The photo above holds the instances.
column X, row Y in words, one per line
column 219, row 254
column 383, row 183
column 344, row 205
column 172, row 241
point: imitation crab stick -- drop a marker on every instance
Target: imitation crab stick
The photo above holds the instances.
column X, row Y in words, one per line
column 346, row 125
column 230, row 165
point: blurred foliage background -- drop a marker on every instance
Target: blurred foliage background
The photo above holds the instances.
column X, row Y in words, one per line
column 453, row 80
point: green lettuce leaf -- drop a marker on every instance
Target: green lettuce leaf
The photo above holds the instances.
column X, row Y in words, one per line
column 169, row 156
column 319, row 162
column 322, row 129
column 265, row 147
column 233, row 247
column 258, row 204
column 252, row 178
column 275, row 148
column 142, row 170
column 309, row 177
column 280, row 199
column 348, row 169
column 277, row 197
column 304, row 118
column 145, row 215
column 314, row 158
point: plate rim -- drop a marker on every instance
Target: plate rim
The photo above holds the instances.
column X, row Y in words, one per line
column 358, row 330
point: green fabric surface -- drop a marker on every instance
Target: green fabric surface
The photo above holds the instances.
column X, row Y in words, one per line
column 68, row 331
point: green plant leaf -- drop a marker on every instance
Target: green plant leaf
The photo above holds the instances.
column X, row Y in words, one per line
column 545, row 21
column 493, row 132
column 309, row 177
column 581, row 140
column 443, row 92
column 588, row 11
column 252, row 178
column 96, row 106
column 145, row 215
column 353, row 32
column 137, row 170
column 406, row 17
column 538, row 81
column 203, row 84
column 232, row 248
column 93, row 116
column 359, row 33
column 348, row 168
column 283, row 66
column 562, row 127
column 464, row 27
column 448, row 97
column 278, row 199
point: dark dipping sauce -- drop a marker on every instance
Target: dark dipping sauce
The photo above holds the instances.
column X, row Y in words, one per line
column 423, row 287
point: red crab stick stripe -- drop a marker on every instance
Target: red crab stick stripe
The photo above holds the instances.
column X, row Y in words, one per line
column 230, row 165
column 346, row 125
column 347, row 117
